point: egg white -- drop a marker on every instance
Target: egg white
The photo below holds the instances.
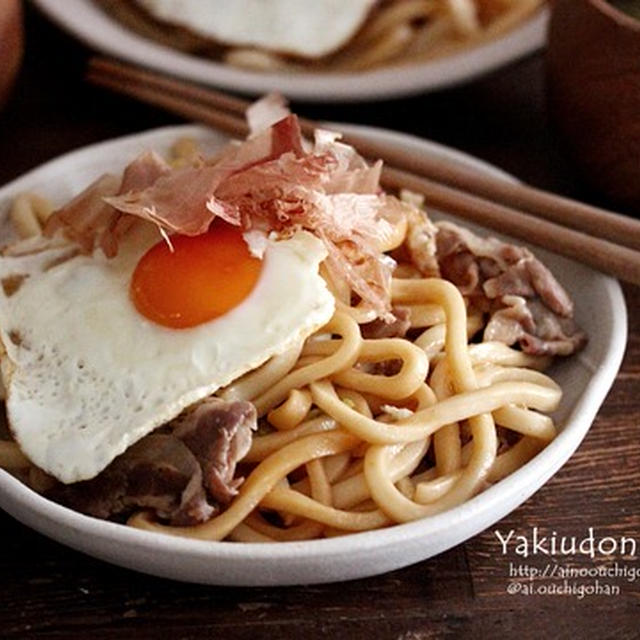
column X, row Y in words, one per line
column 87, row 375
column 307, row 28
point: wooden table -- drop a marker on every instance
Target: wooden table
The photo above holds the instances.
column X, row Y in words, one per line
column 51, row 591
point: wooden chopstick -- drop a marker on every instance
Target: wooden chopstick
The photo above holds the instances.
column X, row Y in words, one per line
column 445, row 185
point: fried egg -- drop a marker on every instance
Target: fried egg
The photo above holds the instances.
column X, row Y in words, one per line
column 310, row 29
column 99, row 352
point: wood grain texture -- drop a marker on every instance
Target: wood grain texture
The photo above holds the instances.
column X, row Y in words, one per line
column 49, row 591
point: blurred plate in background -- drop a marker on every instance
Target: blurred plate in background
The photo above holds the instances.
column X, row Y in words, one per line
column 88, row 22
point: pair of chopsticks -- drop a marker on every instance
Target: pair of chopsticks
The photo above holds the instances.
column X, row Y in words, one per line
column 605, row 240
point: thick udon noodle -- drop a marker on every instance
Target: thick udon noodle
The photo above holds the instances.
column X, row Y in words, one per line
column 348, row 447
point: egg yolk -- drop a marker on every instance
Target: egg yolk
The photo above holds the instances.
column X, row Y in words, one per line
column 204, row 277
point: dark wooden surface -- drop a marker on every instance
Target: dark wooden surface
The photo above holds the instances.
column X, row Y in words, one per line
column 51, row 591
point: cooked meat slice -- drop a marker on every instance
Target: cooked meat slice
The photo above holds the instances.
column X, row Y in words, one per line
column 158, row 472
column 511, row 322
column 525, row 302
column 170, row 473
column 537, row 329
column 397, row 328
column 554, row 334
column 530, row 278
column 421, row 242
column 219, row 435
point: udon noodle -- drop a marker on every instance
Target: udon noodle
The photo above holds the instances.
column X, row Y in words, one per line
column 360, row 433
column 397, row 32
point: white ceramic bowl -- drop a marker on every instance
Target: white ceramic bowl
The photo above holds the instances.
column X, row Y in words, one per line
column 585, row 379
column 94, row 27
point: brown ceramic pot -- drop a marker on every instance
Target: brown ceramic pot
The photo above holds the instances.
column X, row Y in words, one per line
column 593, row 63
column 11, row 44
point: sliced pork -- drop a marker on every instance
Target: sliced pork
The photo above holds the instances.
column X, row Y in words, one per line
column 525, row 303
column 397, row 328
column 158, row 472
column 219, row 435
column 184, row 476
column 420, row 243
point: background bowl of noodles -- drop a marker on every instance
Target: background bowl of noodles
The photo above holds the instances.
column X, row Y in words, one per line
column 444, row 62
